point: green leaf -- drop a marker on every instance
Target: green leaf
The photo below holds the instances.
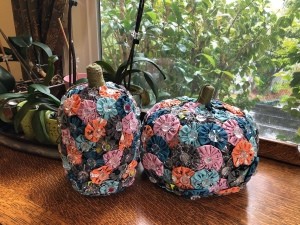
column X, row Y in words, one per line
column 121, row 73
column 296, row 79
column 21, row 41
column 151, row 82
column 165, row 48
column 179, row 69
column 107, row 77
column 298, row 131
column 210, row 59
column 7, row 81
column 188, row 79
column 218, row 71
column 2, row 88
column 21, row 113
column 38, row 87
column 12, row 95
column 163, row 95
column 43, row 46
column 139, row 59
column 50, row 73
column 225, row 39
column 148, row 77
column 50, row 99
column 181, row 47
column 34, row 102
column 39, row 126
column 177, row 13
column 207, row 3
column 230, row 75
column 82, row 80
column 108, row 68
column 47, row 106
column 284, row 21
column 152, row 15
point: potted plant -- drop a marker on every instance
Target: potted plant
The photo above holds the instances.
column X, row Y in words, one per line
column 31, row 112
column 122, row 74
column 7, row 81
column 35, row 58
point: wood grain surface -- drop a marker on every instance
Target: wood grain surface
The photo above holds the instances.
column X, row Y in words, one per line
column 33, row 190
column 278, row 150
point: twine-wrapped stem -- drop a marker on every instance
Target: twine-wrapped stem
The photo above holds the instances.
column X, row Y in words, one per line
column 206, row 94
column 95, row 75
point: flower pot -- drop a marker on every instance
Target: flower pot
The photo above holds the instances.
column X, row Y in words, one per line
column 52, row 126
column 32, row 132
column 26, row 124
column 78, row 77
column 198, row 150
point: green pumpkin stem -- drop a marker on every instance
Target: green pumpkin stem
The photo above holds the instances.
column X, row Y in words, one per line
column 95, row 75
column 206, row 94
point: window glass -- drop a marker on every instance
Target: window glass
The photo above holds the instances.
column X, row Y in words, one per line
column 249, row 50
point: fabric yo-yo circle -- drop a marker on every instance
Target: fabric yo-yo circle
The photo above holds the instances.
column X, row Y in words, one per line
column 198, row 150
column 100, row 138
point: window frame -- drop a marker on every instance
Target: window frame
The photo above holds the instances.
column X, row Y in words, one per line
column 269, row 148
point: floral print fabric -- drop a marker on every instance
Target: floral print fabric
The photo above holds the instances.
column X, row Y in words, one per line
column 210, row 157
column 100, row 134
column 197, row 150
column 166, row 126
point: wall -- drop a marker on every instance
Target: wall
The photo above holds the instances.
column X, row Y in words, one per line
column 85, row 34
column 7, row 26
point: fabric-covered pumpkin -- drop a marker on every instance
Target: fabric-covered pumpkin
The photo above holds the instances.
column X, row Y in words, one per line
column 100, row 136
column 198, row 150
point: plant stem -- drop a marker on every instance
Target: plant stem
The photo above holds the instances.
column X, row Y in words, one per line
column 23, row 63
column 235, row 18
column 123, row 37
column 4, row 58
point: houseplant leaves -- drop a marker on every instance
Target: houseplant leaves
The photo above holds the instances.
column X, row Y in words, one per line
column 7, row 81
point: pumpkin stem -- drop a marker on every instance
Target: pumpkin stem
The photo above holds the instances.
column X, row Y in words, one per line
column 206, row 94
column 95, row 75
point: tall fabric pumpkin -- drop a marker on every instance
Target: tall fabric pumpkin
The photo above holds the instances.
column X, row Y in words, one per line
column 198, row 148
column 100, row 135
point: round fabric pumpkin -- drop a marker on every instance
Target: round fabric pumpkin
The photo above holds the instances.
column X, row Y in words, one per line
column 198, row 150
column 100, row 136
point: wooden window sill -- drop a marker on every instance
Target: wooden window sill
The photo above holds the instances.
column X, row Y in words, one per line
column 280, row 151
column 35, row 191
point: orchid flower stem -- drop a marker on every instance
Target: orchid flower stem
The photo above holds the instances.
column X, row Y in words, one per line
column 134, row 41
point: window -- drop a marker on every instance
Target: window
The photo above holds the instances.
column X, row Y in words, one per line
column 249, row 50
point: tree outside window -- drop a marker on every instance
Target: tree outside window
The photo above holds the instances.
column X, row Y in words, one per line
column 249, row 50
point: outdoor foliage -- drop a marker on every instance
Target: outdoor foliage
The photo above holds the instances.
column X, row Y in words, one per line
column 237, row 47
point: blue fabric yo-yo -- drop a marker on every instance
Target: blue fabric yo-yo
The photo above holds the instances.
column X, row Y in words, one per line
column 198, row 148
column 100, row 135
